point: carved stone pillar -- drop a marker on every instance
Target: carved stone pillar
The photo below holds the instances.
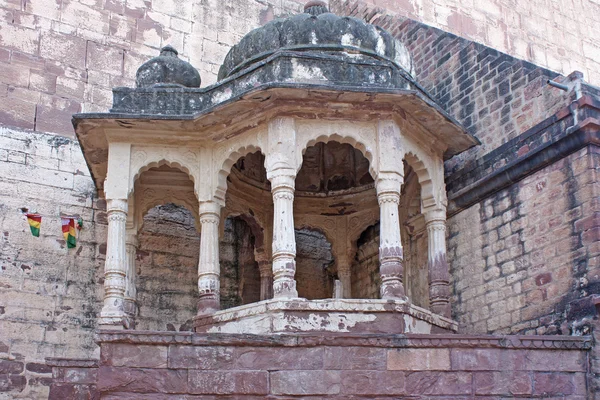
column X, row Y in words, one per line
column 390, row 244
column 439, row 275
column 284, row 241
column 209, row 271
column 115, row 266
column 266, row 274
column 130, row 304
column 344, row 266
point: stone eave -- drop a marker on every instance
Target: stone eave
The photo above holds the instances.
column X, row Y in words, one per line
column 255, row 107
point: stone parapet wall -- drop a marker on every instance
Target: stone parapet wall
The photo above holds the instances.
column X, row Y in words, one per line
column 145, row 365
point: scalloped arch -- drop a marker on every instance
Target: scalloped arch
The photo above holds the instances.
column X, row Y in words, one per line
column 424, row 177
column 256, row 227
column 158, row 163
column 228, row 163
column 146, row 207
column 357, row 144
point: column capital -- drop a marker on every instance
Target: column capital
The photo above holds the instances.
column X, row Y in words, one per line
column 389, row 183
column 282, row 178
column 210, row 212
column 435, row 216
column 116, row 205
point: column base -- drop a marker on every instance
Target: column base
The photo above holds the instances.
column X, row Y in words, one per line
column 442, row 309
column 208, row 307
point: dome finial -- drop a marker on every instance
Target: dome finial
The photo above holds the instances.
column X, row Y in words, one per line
column 169, row 51
column 316, row 7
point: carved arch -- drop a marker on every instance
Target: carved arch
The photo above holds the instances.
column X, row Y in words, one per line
column 148, row 198
column 256, row 227
column 425, row 178
column 227, row 164
column 352, row 141
column 140, row 166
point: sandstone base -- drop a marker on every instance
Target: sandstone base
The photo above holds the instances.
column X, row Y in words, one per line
column 329, row 315
column 173, row 366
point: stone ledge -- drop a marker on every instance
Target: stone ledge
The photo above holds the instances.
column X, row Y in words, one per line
column 344, row 340
column 71, row 362
column 327, row 315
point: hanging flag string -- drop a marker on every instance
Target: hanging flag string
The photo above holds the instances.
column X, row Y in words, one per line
column 69, row 225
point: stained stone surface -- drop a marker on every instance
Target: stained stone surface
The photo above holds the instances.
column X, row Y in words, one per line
column 167, row 70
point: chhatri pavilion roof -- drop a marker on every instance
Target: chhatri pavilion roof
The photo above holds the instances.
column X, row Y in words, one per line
column 313, row 65
column 315, row 31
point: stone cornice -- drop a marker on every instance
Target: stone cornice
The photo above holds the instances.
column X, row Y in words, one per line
column 572, row 128
column 341, row 339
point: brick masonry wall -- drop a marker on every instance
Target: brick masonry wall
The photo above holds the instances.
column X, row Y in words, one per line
column 526, row 259
column 557, row 35
column 164, row 366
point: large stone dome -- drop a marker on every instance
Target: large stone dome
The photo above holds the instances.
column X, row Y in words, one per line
column 315, row 30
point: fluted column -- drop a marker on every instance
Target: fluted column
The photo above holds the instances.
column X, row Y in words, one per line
column 284, row 241
column 209, row 271
column 115, row 266
column 130, row 304
column 439, row 274
column 390, row 245
column 266, row 274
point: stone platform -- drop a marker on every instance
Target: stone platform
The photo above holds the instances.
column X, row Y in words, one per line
column 138, row 365
column 327, row 316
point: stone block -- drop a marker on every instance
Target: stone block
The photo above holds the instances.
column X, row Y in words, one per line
column 196, row 357
column 558, row 384
column 19, row 38
column 438, row 383
column 63, row 391
column 11, row 367
column 418, row 359
column 302, row 383
column 509, row 383
column 138, row 380
column 354, row 358
column 555, row 360
column 278, row 358
column 228, row 382
column 67, row 49
column 487, row 360
column 17, row 113
column 140, row 356
column 377, row 383
column 12, row 383
column 104, row 59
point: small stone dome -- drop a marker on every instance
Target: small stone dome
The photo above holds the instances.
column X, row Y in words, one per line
column 316, row 29
column 167, row 70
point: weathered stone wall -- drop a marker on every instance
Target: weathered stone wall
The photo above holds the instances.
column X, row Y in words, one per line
column 167, row 267
column 553, row 34
column 62, row 57
column 525, row 260
column 365, row 269
column 496, row 97
column 49, row 295
column 314, row 279
column 240, row 278
column 169, row 366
